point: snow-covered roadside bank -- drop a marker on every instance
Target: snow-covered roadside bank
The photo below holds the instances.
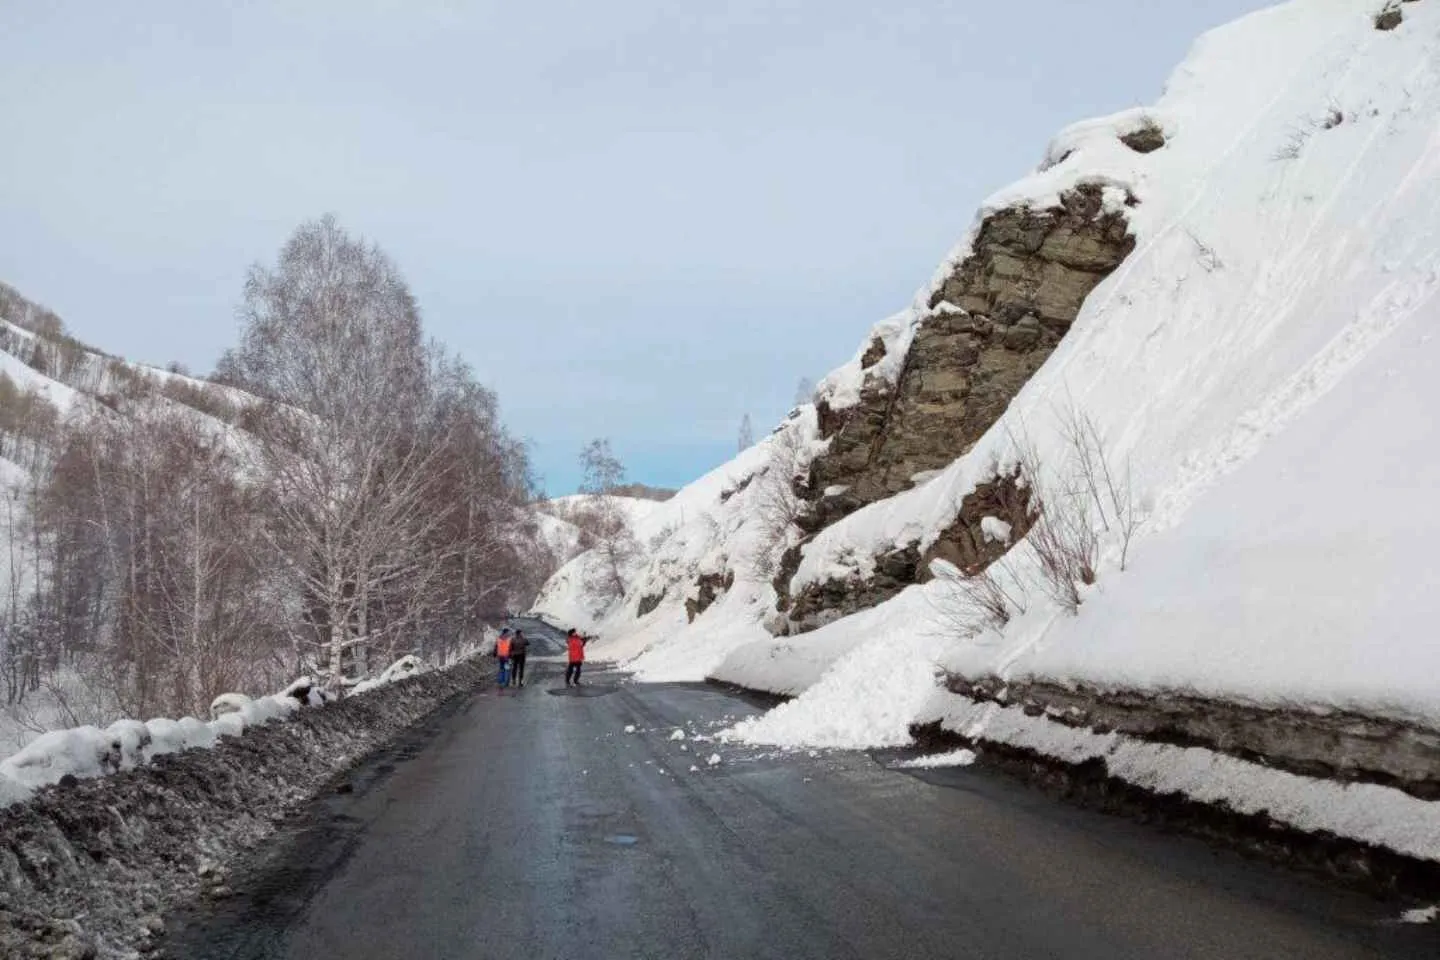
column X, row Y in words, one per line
column 1366, row 816
column 87, row 868
column 1374, row 837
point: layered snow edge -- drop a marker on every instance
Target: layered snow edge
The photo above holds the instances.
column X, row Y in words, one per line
column 89, row 751
column 1365, row 812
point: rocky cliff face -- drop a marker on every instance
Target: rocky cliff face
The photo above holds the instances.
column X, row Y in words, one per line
column 989, row 327
column 963, row 543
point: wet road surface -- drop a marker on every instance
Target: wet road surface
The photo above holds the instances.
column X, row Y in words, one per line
column 529, row 824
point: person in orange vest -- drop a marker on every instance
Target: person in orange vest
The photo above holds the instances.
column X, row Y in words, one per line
column 576, row 647
column 502, row 653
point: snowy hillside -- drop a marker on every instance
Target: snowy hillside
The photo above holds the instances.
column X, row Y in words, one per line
column 1257, row 374
column 569, row 598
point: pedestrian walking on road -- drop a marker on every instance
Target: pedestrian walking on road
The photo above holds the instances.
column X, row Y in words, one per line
column 519, row 645
column 576, row 648
column 502, row 653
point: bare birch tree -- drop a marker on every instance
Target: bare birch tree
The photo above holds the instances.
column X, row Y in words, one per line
column 603, row 518
column 332, row 340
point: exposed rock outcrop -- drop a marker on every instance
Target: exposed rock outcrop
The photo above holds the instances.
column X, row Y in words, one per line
column 962, row 543
column 991, row 325
column 1147, row 138
column 708, row 588
column 649, row 603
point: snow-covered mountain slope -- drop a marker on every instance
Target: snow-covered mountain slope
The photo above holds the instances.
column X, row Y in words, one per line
column 638, row 511
column 1258, row 372
column 571, row 596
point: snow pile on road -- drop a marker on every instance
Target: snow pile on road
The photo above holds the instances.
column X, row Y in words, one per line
column 1259, row 369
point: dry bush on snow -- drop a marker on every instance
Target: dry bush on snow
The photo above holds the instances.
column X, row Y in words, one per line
column 973, row 604
column 1088, row 498
column 776, row 504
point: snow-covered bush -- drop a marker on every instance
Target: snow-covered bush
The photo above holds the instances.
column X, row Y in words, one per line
column 228, row 703
column 407, row 666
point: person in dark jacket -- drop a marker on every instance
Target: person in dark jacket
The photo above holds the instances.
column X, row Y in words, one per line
column 575, row 647
column 519, row 645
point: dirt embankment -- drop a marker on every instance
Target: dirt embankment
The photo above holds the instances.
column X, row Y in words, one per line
column 88, row 868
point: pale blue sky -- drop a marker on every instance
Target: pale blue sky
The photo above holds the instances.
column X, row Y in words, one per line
column 637, row 219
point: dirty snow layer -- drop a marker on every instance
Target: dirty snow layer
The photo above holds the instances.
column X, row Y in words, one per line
column 88, row 869
column 1362, row 811
column 88, row 751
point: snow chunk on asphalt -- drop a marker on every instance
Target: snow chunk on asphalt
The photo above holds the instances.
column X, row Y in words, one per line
column 1425, row 915
column 629, row 728
column 679, row 734
column 714, row 760
column 955, row 758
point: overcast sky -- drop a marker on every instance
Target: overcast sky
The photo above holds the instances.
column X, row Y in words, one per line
column 636, row 219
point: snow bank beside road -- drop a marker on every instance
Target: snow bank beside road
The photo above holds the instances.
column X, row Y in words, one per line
column 89, row 751
column 94, row 864
column 1360, row 811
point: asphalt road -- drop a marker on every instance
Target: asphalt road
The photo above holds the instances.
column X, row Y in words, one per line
column 529, row 824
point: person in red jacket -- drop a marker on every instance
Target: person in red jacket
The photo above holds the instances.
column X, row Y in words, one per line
column 576, row 645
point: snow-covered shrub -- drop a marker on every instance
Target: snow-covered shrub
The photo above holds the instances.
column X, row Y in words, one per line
column 228, row 703
column 407, row 666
